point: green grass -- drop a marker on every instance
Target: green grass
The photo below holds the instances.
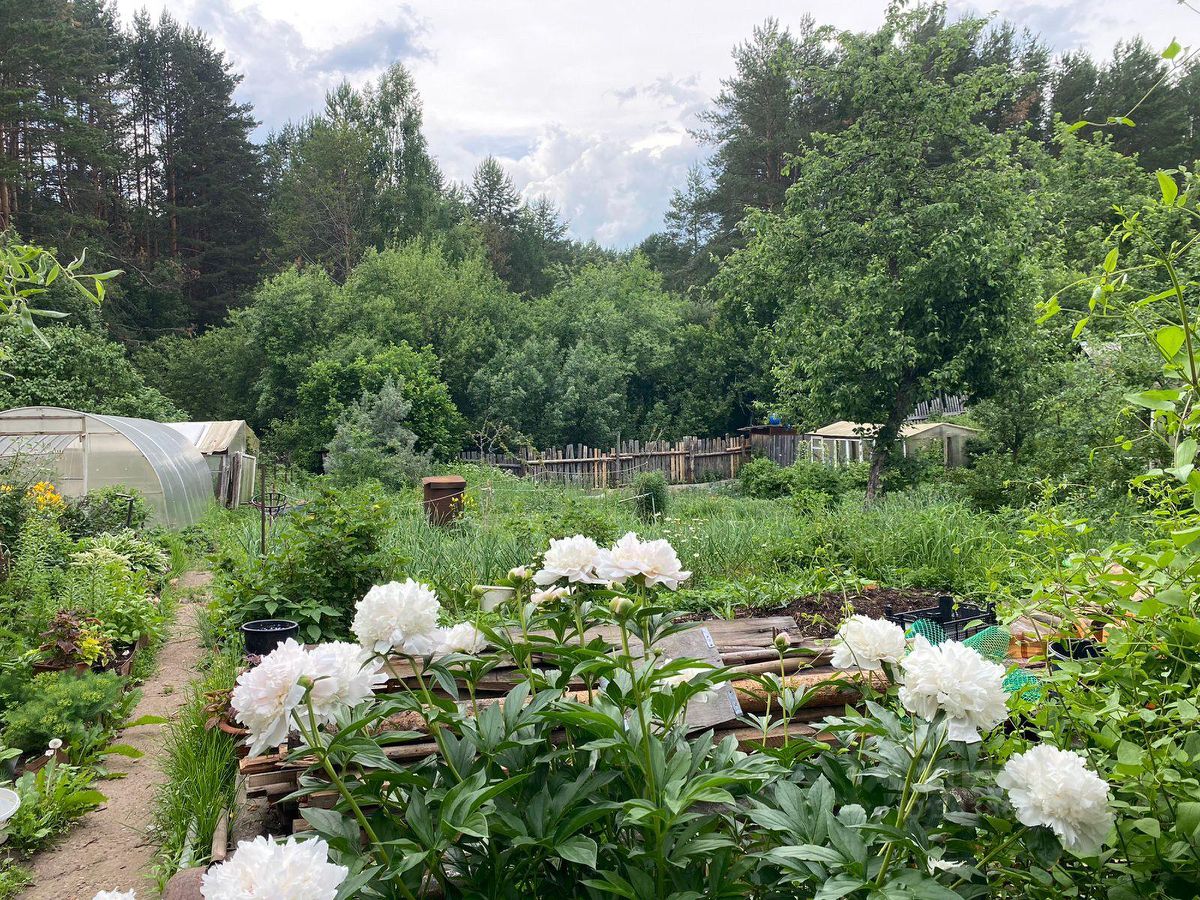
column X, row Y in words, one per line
column 741, row 551
column 201, row 769
column 14, row 878
column 763, row 550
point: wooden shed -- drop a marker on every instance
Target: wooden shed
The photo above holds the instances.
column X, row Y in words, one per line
column 777, row 442
column 840, row 443
column 231, row 450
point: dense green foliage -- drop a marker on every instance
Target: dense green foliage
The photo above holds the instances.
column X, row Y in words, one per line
column 61, row 705
column 319, row 564
column 650, row 495
column 501, row 330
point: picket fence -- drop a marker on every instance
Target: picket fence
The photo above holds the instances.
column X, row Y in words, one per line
column 689, row 461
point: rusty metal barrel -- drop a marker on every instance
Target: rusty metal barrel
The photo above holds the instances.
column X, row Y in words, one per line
column 444, row 496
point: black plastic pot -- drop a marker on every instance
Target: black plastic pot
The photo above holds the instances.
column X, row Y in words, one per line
column 264, row 635
column 1073, row 648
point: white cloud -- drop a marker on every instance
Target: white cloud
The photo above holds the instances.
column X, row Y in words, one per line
column 587, row 103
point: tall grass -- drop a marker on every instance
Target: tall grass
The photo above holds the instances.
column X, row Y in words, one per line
column 201, row 769
column 760, row 551
column 919, row 538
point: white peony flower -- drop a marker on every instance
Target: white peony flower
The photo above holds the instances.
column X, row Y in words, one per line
column 655, row 562
column 867, row 643
column 401, row 616
column 461, row 638
column 266, row 695
column 955, row 679
column 1055, row 788
column 115, row 895
column 54, row 743
column 344, row 675
column 537, row 598
column 262, row 869
column 572, row 558
column 709, row 694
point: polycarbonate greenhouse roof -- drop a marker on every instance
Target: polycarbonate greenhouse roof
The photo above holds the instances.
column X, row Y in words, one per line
column 91, row 451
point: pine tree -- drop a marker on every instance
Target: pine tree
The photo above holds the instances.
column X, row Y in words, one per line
column 494, row 202
column 763, row 115
column 59, row 119
column 358, row 176
column 1074, row 85
column 539, row 248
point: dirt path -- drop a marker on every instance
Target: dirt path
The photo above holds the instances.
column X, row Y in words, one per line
column 111, row 848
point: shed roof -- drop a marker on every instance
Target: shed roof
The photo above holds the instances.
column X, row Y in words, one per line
column 858, row 429
column 211, row 437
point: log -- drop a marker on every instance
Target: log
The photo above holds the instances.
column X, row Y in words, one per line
column 220, row 840
column 185, row 885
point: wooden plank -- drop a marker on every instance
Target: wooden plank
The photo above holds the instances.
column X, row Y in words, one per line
column 750, row 738
column 697, row 643
column 726, row 634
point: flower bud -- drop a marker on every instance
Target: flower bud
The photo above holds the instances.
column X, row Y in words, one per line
column 306, row 682
column 621, row 606
column 520, row 573
column 783, row 642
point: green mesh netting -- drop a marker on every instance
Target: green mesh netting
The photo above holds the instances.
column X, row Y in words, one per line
column 1018, row 680
column 991, row 643
column 928, row 629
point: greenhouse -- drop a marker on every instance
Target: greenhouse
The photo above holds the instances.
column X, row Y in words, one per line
column 83, row 451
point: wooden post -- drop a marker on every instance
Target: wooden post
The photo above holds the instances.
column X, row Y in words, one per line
column 262, row 498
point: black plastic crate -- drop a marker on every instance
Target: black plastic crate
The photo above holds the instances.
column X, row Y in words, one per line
column 955, row 622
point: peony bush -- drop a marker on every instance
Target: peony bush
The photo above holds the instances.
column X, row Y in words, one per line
column 584, row 780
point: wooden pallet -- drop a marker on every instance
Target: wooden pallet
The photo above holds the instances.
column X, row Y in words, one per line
column 745, row 646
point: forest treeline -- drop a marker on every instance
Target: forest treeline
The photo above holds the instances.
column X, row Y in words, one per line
column 282, row 282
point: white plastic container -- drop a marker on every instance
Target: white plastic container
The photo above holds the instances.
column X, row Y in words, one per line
column 10, row 802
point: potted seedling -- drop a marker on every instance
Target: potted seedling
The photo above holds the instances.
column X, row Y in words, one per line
column 72, row 643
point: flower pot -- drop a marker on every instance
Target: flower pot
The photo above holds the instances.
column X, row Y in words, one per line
column 77, row 667
column 264, row 635
column 10, row 802
column 1073, row 649
column 225, row 726
column 37, row 762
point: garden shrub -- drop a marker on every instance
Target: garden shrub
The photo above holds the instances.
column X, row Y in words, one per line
column 104, row 584
column 15, row 676
column 28, row 598
column 649, row 495
column 143, row 555
column 765, row 479
column 815, row 477
column 321, row 561
column 106, row 509
column 51, row 799
column 62, row 705
column 373, row 441
column 917, row 791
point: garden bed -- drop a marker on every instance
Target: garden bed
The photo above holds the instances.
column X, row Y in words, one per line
column 818, row 615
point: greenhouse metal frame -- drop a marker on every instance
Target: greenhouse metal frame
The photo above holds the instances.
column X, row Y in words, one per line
column 83, row 451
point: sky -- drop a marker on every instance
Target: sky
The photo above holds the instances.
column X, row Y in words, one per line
column 589, row 103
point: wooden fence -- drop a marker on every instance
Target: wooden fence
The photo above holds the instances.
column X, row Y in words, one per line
column 689, row 461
